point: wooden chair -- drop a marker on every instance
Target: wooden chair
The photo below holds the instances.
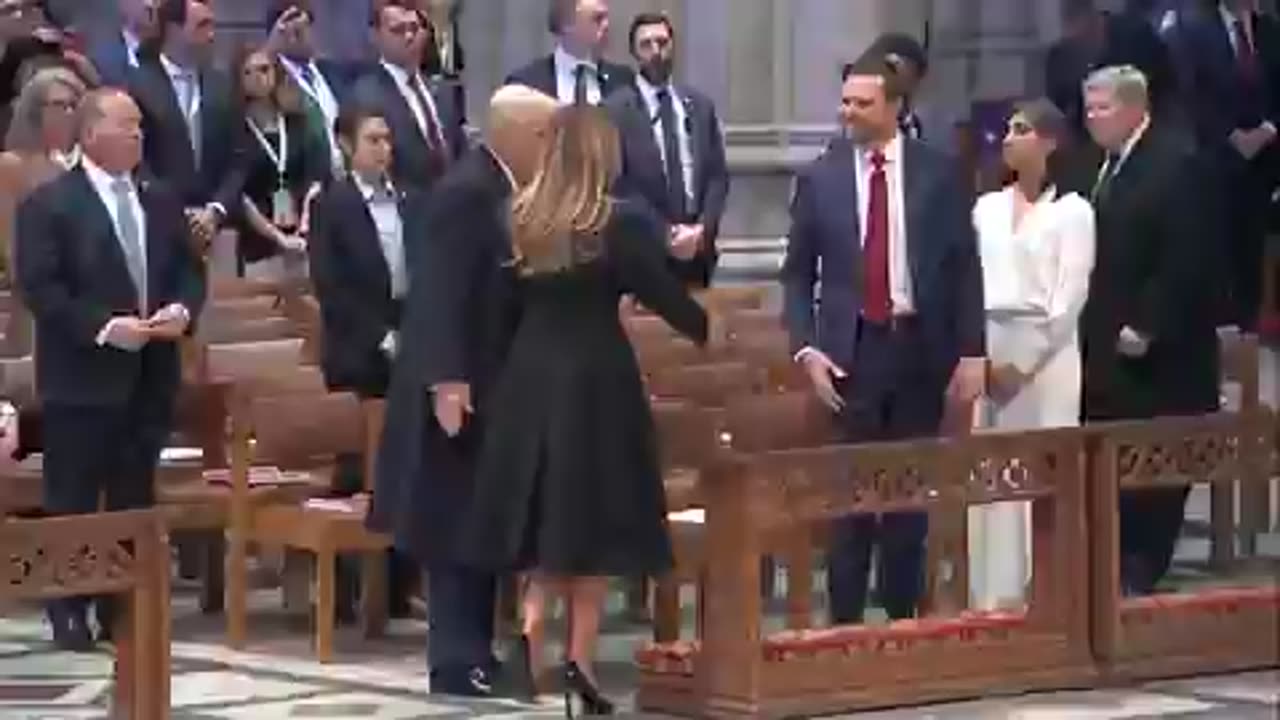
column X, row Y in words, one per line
column 124, row 554
column 1210, row 630
column 303, row 432
column 707, row 384
column 1240, row 365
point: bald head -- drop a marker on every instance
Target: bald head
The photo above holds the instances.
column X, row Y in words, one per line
column 518, row 117
column 109, row 126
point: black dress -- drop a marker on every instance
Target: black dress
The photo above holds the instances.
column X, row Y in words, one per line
column 568, row 480
column 307, row 163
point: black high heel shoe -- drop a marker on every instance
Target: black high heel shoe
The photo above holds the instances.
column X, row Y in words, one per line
column 577, row 684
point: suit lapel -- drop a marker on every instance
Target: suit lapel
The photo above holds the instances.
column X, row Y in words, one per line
column 99, row 227
column 366, row 236
column 157, row 242
column 697, row 137
column 915, row 184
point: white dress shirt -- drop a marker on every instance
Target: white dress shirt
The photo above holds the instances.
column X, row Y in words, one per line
column 384, row 207
column 102, row 182
column 649, row 92
column 131, row 45
column 1234, row 24
column 566, row 67
column 900, row 290
column 318, row 89
column 420, row 114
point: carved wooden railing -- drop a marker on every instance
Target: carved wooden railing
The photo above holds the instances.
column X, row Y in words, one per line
column 126, row 554
column 772, row 502
column 1233, row 623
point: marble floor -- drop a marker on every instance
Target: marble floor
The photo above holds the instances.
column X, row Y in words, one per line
column 276, row 679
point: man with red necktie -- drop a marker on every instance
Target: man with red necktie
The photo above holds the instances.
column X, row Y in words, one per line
column 895, row 334
column 1230, row 64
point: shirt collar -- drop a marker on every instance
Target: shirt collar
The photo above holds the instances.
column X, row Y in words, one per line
column 101, row 179
column 367, row 191
column 1135, row 138
column 131, row 41
column 565, row 60
column 400, row 75
column 1229, row 17
column 175, row 70
column 892, row 150
column 650, row 91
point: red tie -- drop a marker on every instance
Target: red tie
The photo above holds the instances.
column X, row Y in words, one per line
column 1245, row 56
column 876, row 302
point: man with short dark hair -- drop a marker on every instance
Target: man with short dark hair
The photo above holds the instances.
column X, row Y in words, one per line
column 190, row 127
column 104, row 265
column 576, row 71
column 908, row 58
column 673, row 153
column 883, row 301
column 425, row 126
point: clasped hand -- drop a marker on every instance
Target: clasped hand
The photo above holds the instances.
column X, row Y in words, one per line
column 131, row 333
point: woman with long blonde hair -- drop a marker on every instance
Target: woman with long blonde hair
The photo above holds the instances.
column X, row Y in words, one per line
column 567, row 484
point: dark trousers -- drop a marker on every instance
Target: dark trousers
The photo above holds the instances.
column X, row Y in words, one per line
column 102, row 454
column 1248, row 199
column 892, row 393
column 461, row 613
column 1150, row 522
column 402, row 572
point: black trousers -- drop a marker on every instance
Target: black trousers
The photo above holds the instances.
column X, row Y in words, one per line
column 461, row 610
column 104, row 454
column 891, row 394
column 1247, row 200
column 1150, row 522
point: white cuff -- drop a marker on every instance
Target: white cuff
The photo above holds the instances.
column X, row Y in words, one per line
column 218, row 208
column 390, row 343
column 806, row 350
column 105, row 332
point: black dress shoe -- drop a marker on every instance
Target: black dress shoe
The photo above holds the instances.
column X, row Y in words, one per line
column 470, row 682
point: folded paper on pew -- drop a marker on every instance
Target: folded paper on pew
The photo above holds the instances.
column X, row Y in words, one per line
column 693, row 516
column 258, row 477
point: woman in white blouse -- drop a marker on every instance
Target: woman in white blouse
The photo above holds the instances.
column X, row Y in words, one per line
column 1036, row 242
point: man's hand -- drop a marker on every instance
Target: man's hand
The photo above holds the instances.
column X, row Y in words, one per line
column 127, row 333
column 452, row 403
column 168, row 323
column 1006, row 380
column 9, row 439
column 1131, row 343
column 823, row 373
column 1249, row 142
column 293, row 243
column 203, row 224
column 685, row 242
column 285, row 26
column 967, row 381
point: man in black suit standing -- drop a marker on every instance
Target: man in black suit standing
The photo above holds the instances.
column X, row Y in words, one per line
column 672, row 150
column 119, row 53
column 425, row 127
column 576, row 71
column 458, row 322
column 1148, row 333
column 1230, row 58
column 883, row 301
column 105, row 267
column 191, row 133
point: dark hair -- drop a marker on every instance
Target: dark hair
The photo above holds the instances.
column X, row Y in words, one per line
column 905, row 47
column 645, row 19
column 379, row 6
column 872, row 63
column 277, row 8
column 1047, row 121
column 558, row 14
column 287, row 96
column 173, row 12
column 352, row 116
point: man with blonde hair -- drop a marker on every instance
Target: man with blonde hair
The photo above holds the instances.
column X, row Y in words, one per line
column 453, row 339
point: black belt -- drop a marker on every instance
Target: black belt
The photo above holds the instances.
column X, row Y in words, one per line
column 906, row 322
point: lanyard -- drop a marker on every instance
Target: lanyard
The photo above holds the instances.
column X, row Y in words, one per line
column 278, row 155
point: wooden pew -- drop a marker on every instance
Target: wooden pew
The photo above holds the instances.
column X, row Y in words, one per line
column 1216, row 629
column 126, row 554
column 739, row 669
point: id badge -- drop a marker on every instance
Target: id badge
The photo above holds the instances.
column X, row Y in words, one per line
column 283, row 213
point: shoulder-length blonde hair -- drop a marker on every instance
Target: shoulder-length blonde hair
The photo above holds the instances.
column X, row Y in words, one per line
column 26, row 128
column 558, row 217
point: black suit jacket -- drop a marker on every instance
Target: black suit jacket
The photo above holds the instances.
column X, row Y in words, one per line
column 644, row 176
column 825, row 247
column 541, row 76
column 167, row 150
column 74, row 278
column 110, row 57
column 412, row 158
column 1154, row 274
column 353, row 284
column 459, row 319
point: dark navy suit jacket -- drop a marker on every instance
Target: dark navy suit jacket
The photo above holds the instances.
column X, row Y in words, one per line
column 412, row 166
column 825, row 249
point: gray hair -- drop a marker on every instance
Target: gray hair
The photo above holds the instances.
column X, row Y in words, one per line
column 1125, row 83
column 25, row 129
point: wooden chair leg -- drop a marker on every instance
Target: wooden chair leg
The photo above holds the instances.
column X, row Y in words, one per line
column 373, row 594
column 325, row 592
column 237, row 582
column 1222, row 524
column 125, row 699
column 666, row 609
column 213, row 550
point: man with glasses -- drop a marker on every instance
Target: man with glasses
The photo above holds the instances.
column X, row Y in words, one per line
column 426, row 128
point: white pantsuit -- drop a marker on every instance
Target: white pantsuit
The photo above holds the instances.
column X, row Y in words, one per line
column 1036, row 276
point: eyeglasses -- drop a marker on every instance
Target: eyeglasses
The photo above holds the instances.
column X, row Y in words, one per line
column 60, row 104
